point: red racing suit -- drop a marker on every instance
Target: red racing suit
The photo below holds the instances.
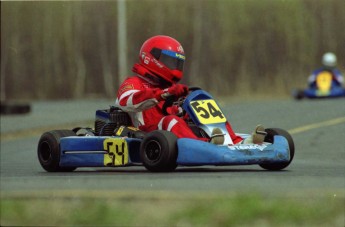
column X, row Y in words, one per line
column 142, row 100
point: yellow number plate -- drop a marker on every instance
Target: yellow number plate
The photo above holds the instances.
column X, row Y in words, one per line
column 207, row 111
column 117, row 149
column 324, row 81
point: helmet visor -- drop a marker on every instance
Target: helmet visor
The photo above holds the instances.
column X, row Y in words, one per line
column 172, row 60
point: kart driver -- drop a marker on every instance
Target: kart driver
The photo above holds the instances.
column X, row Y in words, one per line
column 158, row 72
column 329, row 63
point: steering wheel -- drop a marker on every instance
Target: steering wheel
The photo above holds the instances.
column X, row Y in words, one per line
column 193, row 88
column 170, row 100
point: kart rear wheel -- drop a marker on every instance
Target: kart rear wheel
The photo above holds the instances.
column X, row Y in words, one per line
column 48, row 150
column 158, row 151
column 271, row 132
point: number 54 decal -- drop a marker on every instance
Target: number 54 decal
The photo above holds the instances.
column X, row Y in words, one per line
column 117, row 152
column 207, row 111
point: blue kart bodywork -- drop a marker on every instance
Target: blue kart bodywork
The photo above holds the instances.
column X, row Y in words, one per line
column 89, row 152
column 65, row 151
column 314, row 93
column 196, row 153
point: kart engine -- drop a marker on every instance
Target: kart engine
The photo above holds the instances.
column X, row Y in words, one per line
column 108, row 120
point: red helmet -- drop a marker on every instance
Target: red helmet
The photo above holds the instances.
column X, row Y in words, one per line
column 164, row 57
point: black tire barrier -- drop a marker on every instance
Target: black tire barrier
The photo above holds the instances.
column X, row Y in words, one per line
column 15, row 108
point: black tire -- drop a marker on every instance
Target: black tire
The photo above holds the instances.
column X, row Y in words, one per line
column 158, row 151
column 48, row 150
column 298, row 94
column 271, row 132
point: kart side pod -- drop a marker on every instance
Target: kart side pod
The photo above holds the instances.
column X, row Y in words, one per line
column 93, row 151
column 192, row 152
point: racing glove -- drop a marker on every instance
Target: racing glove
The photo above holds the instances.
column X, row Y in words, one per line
column 175, row 110
column 177, row 90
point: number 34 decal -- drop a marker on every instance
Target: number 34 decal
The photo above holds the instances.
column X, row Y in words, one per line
column 207, row 111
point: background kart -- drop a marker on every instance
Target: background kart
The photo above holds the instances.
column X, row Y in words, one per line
column 324, row 87
column 114, row 143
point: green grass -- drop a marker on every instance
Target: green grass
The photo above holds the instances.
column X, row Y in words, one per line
column 170, row 209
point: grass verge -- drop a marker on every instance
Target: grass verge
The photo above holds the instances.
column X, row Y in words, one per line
column 170, row 209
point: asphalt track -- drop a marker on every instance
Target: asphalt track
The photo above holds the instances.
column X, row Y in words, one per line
column 317, row 126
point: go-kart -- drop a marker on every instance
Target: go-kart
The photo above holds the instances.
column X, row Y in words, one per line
column 325, row 86
column 115, row 143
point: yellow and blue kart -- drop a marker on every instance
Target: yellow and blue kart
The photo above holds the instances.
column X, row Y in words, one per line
column 324, row 87
column 113, row 143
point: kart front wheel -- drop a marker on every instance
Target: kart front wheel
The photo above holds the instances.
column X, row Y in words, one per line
column 158, row 151
column 271, row 132
column 48, row 150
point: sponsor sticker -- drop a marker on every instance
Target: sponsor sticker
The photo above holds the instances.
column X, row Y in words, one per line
column 126, row 88
column 260, row 147
column 146, row 60
column 180, row 48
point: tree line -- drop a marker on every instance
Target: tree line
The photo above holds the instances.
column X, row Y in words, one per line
column 69, row 49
